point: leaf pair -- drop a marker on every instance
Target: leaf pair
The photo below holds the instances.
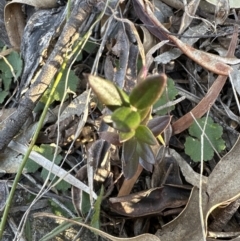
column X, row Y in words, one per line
column 143, row 96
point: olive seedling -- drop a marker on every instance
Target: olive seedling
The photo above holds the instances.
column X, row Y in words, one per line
column 131, row 118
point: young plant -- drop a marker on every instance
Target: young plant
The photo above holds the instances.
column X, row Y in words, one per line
column 130, row 117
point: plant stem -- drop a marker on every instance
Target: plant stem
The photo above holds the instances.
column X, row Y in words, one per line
column 33, row 141
column 129, row 183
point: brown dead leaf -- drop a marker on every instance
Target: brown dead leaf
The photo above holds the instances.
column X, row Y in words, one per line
column 14, row 23
column 222, row 188
column 15, row 20
column 166, row 172
column 187, row 226
column 189, row 174
column 150, row 202
column 224, row 182
column 190, row 11
column 222, row 10
column 148, row 39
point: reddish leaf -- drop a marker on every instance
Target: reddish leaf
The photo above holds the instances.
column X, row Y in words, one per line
column 158, row 124
column 111, row 137
column 130, row 158
column 146, row 165
column 145, row 152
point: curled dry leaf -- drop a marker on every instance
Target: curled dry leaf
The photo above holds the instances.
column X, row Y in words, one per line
column 150, row 202
column 166, row 172
column 174, row 53
column 190, row 11
column 14, row 23
column 148, row 39
column 224, row 183
column 221, row 11
column 3, row 33
column 187, row 226
column 15, row 20
column 189, row 174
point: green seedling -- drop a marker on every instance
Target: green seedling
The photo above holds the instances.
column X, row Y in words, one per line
column 131, row 116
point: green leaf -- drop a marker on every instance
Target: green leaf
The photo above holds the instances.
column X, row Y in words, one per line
column 48, row 152
column 58, row 209
column 193, row 144
column 32, row 166
column 3, row 95
column 193, row 149
column 145, row 152
column 95, row 222
column 85, row 204
column 125, row 119
column 124, row 136
column 108, row 93
column 10, row 66
column 143, row 134
column 72, row 81
column 15, row 61
column 130, row 158
column 147, row 92
column 59, row 229
column 90, row 46
column 168, row 95
column 145, row 114
column 7, row 83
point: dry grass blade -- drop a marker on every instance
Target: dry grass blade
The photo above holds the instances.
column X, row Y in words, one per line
column 48, row 165
column 143, row 237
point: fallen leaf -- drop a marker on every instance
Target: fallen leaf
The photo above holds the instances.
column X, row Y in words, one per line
column 187, row 226
column 150, row 202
